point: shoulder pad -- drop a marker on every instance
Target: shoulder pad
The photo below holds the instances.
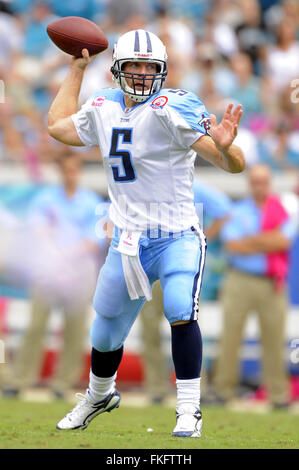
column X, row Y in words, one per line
column 110, row 94
column 187, row 104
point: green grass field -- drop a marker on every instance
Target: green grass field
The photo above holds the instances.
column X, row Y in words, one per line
column 32, row 426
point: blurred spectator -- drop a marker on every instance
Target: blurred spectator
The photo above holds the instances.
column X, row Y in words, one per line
column 285, row 8
column 4, row 371
column 195, row 9
column 10, row 38
column 282, row 60
column 291, row 201
column 250, row 146
column 63, row 259
column 85, row 8
column 250, row 33
column 257, row 239
column 175, row 73
column 209, row 70
column 210, row 79
column 8, row 225
column 176, row 34
column 21, row 6
column 219, row 33
column 227, row 12
column 279, row 146
column 36, row 40
column 248, row 87
column 156, row 380
column 118, row 13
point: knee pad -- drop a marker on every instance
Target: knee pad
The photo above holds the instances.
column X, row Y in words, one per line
column 106, row 307
column 111, row 293
column 178, row 299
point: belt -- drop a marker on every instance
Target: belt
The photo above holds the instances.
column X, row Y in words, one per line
column 155, row 233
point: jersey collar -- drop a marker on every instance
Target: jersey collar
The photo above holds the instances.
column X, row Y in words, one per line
column 129, row 110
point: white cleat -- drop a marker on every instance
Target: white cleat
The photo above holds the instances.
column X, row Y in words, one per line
column 189, row 421
column 86, row 410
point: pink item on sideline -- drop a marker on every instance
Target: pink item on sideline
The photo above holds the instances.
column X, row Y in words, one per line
column 273, row 216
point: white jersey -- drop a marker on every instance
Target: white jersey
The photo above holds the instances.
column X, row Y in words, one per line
column 146, row 155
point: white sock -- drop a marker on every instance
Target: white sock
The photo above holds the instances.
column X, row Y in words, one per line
column 100, row 387
column 188, row 392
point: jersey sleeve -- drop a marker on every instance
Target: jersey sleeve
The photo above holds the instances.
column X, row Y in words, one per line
column 216, row 204
column 234, row 228
column 289, row 229
column 90, row 233
column 188, row 117
column 85, row 125
column 39, row 211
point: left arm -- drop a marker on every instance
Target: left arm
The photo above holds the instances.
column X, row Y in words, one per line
column 218, row 148
column 266, row 242
column 214, row 229
column 270, row 241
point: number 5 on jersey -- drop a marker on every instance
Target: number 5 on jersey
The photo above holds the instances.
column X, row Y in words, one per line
column 123, row 171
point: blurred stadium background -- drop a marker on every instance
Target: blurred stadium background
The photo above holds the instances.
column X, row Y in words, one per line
column 246, row 51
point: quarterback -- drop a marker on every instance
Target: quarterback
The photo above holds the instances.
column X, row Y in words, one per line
column 149, row 138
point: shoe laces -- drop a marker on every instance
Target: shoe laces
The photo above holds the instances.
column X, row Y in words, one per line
column 80, row 407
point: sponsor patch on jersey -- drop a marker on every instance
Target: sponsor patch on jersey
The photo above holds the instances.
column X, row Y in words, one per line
column 98, row 101
column 159, row 102
column 205, row 122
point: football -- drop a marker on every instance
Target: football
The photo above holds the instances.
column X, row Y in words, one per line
column 73, row 33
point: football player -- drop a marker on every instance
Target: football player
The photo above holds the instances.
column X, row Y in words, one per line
column 149, row 138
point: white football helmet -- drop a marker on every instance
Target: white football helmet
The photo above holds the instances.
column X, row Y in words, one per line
column 139, row 46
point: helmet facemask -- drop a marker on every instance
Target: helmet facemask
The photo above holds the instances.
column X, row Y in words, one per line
column 139, row 95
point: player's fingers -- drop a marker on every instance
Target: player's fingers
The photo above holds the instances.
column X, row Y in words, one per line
column 240, row 114
column 237, row 112
column 85, row 53
column 237, row 109
column 228, row 111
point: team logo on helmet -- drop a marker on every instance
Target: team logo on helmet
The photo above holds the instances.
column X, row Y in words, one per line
column 159, row 102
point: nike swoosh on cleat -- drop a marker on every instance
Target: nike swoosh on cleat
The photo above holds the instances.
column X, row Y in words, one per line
column 103, row 405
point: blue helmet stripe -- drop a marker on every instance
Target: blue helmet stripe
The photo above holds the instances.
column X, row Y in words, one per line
column 149, row 43
column 137, row 44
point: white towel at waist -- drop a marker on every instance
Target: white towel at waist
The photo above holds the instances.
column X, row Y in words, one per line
column 136, row 279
